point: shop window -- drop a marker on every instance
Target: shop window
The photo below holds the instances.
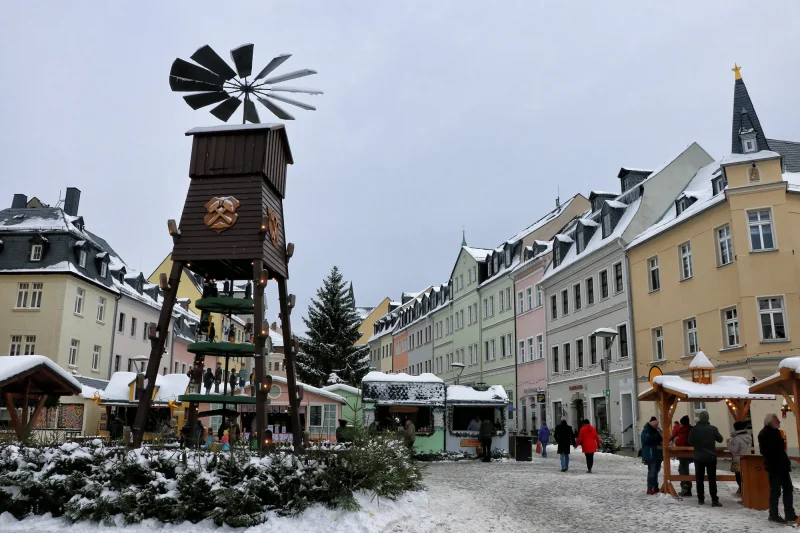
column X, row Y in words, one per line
column 422, row 417
column 462, row 416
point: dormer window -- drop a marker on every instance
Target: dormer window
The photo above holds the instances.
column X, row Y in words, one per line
column 508, row 256
column 607, row 225
column 103, row 269
column 718, row 184
column 581, row 238
column 680, row 206
column 556, row 254
column 82, row 259
column 36, row 252
column 749, row 145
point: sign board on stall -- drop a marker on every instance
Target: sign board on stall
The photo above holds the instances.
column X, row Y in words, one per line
column 469, row 443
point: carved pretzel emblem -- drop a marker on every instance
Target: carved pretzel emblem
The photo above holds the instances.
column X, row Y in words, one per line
column 274, row 226
column 221, row 213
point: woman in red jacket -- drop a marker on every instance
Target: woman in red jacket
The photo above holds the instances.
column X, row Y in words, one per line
column 588, row 440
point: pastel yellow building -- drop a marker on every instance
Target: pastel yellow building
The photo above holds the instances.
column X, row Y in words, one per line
column 372, row 314
column 719, row 272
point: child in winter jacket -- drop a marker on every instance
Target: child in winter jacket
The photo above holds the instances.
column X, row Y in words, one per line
column 739, row 444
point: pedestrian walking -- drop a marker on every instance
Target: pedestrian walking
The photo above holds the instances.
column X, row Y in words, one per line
column 652, row 454
column 776, row 461
column 485, row 434
column 680, row 437
column 703, row 438
column 588, row 440
column 217, row 377
column 544, row 438
column 565, row 438
column 739, row 444
column 208, row 380
column 409, row 434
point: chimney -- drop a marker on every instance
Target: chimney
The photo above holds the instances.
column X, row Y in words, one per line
column 20, row 201
column 72, row 200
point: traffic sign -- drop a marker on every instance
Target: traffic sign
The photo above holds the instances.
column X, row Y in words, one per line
column 607, row 393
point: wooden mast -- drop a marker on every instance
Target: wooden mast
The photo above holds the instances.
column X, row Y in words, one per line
column 289, row 355
column 259, row 284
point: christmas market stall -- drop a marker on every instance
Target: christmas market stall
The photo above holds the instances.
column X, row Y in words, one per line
column 785, row 382
column 466, row 407
column 391, row 399
column 121, row 396
column 669, row 390
column 31, row 381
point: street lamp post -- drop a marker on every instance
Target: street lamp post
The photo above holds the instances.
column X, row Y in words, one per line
column 459, row 366
column 607, row 333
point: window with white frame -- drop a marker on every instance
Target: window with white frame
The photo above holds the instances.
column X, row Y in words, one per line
column 521, row 351
column 529, row 298
column 604, row 284
column 654, row 275
column 36, row 252
column 579, row 353
column 773, row 320
column 491, row 347
column 485, row 308
column 690, row 336
column 103, row 269
column 509, row 302
column 555, row 359
column 30, row 345
column 730, row 324
column 475, row 354
column 101, row 309
column 658, row 344
column 23, row 292
column 502, row 301
column 540, row 346
column 520, row 302
column 622, row 340
column 491, row 305
column 589, row 291
column 531, row 352
column 462, row 318
column 539, row 294
column 619, row 285
column 759, row 223
column 553, row 307
column 96, row 357
column 580, row 242
column 73, row 352
column 82, row 259
column 685, row 250
column 724, row 246
column 567, row 356
column 564, row 302
column 79, row 295
column 486, row 350
column 510, row 344
column 133, row 326
column 16, row 345
column 576, row 296
column 36, row 295
column 475, row 311
column 592, row 350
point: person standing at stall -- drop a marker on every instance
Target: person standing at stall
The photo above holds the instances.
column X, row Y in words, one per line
column 565, row 438
column 776, row 462
column 588, row 440
column 739, row 444
column 680, row 437
column 485, row 433
column 652, row 455
column 409, row 434
column 702, row 438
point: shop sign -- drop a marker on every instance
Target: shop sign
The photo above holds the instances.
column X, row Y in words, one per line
column 540, row 397
column 469, row 443
column 576, row 387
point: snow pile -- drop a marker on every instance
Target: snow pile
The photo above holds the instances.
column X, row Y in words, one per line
column 733, row 387
column 10, row 367
column 701, row 361
column 170, row 387
column 495, row 394
column 792, row 363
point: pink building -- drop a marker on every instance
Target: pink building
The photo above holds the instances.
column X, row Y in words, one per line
column 531, row 342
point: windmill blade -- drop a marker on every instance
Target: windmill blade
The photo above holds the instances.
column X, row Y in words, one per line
column 272, row 65
column 190, row 71
column 304, row 90
column 291, row 75
column 196, row 101
column 291, row 101
column 224, row 110
column 243, row 59
column 185, row 85
column 250, row 112
column 206, row 56
column 276, row 110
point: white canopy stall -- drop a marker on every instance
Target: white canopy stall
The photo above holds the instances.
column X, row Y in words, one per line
column 463, row 405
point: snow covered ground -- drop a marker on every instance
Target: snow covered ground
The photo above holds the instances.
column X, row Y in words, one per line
column 475, row 497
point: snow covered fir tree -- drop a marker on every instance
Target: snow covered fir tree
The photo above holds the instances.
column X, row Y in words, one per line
column 330, row 348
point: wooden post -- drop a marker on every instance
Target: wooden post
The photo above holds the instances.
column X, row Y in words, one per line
column 32, row 421
column 157, row 349
column 12, row 411
column 258, row 360
column 667, row 402
column 25, row 396
column 796, row 394
column 288, row 351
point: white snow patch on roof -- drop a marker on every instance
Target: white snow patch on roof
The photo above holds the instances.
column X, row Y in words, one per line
column 792, row 363
column 170, row 387
column 604, row 330
column 479, row 254
column 539, row 223
column 402, row 377
column 343, row 387
column 701, row 361
column 118, row 387
column 462, row 393
column 734, row 387
column 588, row 222
column 732, row 159
column 616, row 205
column 11, row 366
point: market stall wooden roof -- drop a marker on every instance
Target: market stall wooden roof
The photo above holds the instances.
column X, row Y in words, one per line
column 782, row 382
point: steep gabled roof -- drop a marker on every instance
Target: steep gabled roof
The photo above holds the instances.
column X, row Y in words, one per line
column 745, row 118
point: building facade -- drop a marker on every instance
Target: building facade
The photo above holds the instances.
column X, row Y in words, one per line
column 586, row 288
column 370, row 316
column 719, row 273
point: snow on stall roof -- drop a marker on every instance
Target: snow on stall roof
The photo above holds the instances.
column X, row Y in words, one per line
column 118, row 387
column 312, row 389
column 170, row 386
column 701, row 188
column 792, row 363
column 734, row 387
column 462, row 393
column 402, row 377
column 342, row 386
column 732, row 159
column 88, row 392
column 701, row 361
column 596, row 242
column 13, row 366
column 479, row 254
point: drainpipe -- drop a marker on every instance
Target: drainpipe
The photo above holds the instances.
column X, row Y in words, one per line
column 111, row 356
column 632, row 343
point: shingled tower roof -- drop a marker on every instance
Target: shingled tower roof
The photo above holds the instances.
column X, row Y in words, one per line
column 745, row 118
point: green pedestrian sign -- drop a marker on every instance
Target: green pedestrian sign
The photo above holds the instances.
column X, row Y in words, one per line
column 607, row 393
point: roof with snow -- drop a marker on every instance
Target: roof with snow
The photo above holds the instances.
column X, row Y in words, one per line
column 701, row 362
column 763, row 155
column 549, row 217
column 342, row 387
column 168, row 387
column 494, row 395
column 403, row 389
column 46, row 376
column 280, row 128
column 426, row 377
column 364, row 312
column 781, row 382
column 724, row 387
column 479, row 254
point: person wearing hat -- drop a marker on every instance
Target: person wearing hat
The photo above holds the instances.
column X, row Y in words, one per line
column 680, row 437
column 343, row 432
column 703, row 438
column 652, row 455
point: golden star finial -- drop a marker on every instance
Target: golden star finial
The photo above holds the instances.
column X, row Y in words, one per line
column 736, row 68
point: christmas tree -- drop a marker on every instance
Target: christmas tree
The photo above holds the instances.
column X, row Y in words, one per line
column 332, row 331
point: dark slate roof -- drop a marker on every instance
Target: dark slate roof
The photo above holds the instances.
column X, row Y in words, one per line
column 92, row 382
column 790, row 151
column 196, row 280
column 742, row 102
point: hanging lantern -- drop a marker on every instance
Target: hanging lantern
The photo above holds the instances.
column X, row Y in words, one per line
column 267, row 386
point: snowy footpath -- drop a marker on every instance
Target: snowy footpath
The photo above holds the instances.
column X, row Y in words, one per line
column 475, row 497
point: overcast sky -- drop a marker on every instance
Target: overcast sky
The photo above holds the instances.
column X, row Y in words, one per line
column 436, row 115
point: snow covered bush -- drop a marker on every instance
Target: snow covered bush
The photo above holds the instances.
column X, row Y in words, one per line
column 98, row 483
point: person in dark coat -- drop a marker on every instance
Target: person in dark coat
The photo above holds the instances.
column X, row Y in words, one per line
column 703, row 438
column 652, row 455
column 200, row 431
column 565, row 437
column 208, row 380
column 544, row 437
column 776, row 461
column 343, row 432
column 217, row 377
column 115, row 428
column 485, row 433
column 233, row 380
column 680, row 437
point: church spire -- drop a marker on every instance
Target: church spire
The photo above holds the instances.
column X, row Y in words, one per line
column 463, row 237
column 746, row 132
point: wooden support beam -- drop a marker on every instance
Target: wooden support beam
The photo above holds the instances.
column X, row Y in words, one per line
column 25, row 397
column 796, row 395
column 720, row 477
column 32, row 421
column 667, row 402
column 12, row 411
column 259, row 282
column 289, row 356
column 156, row 351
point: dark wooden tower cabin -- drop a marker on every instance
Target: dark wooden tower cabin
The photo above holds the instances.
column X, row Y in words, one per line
column 238, row 182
